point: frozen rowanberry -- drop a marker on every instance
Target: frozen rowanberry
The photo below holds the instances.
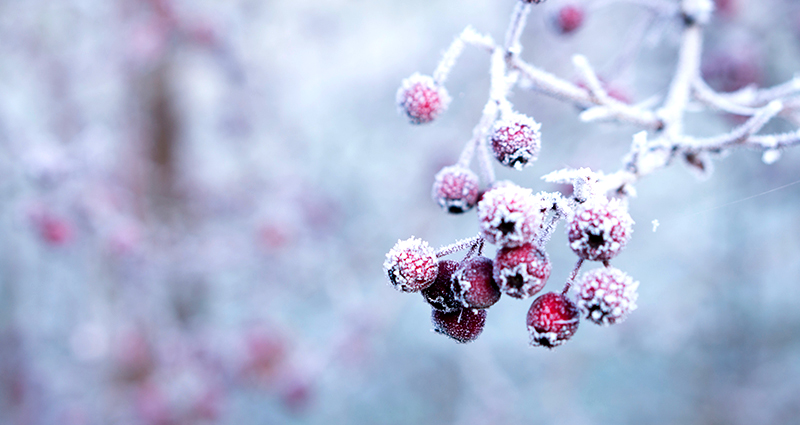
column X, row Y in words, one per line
column 516, row 140
column 569, row 18
column 473, row 284
column 455, row 189
column 552, row 320
column 440, row 294
column 462, row 325
column 509, row 215
column 598, row 229
column 421, row 98
column 606, row 295
column 521, row 271
column 411, row 265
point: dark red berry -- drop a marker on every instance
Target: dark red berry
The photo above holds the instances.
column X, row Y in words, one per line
column 440, row 295
column 552, row 320
column 569, row 18
column 421, row 98
column 473, row 284
column 598, row 229
column 606, row 295
column 521, row 271
column 411, row 265
column 516, row 140
column 455, row 189
column 462, row 325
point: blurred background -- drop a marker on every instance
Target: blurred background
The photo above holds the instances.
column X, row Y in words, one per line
column 197, row 198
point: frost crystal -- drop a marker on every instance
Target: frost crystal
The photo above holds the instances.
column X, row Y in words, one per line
column 411, row 265
column 509, row 215
column 515, row 140
column 598, row 229
column 606, row 295
column 455, row 189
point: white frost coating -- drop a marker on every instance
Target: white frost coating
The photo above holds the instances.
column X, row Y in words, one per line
column 584, row 181
column 411, row 94
column 509, row 215
column 655, row 225
column 411, row 264
column 771, row 156
column 607, row 295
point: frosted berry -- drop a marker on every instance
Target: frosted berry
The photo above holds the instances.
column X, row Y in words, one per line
column 552, row 319
column 509, row 215
column 421, row 98
column 462, row 325
column 606, row 295
column 598, row 229
column 516, row 140
column 569, row 18
column 411, row 265
column 473, row 284
column 440, row 294
column 521, row 271
column 455, row 189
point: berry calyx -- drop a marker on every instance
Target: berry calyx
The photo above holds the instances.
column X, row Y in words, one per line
column 421, row 98
column 455, row 189
column 569, row 18
column 440, row 294
column 462, row 325
column 411, row 265
column 552, row 320
column 598, row 229
column 606, row 295
column 473, row 284
column 521, row 271
column 515, row 140
column 509, row 215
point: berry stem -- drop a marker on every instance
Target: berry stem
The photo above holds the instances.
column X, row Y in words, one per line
column 449, row 58
column 459, row 245
column 572, row 277
column 515, row 27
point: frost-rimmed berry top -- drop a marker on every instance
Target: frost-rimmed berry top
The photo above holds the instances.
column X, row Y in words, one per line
column 421, row 98
column 606, row 295
column 516, row 140
column 455, row 188
column 509, row 215
column 411, row 265
column 599, row 228
column 522, row 271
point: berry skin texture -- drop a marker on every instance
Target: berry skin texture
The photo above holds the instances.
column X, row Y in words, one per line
column 421, row 98
column 515, row 140
column 462, row 325
column 569, row 18
column 598, row 229
column 440, row 294
column 521, row 271
column 552, row 320
column 606, row 295
column 455, row 189
column 411, row 265
column 473, row 284
column 509, row 215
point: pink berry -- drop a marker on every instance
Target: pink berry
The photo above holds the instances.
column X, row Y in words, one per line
column 474, row 285
column 516, row 140
column 732, row 70
column 411, row 265
column 455, row 189
column 552, row 320
column 598, row 229
column 421, row 98
column 606, row 295
column 569, row 18
column 521, row 271
column 462, row 325
column 509, row 215
column 440, row 294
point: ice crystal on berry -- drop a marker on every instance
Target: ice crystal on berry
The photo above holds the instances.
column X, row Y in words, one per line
column 515, row 140
column 598, row 229
column 422, row 98
column 411, row 265
column 521, row 271
column 552, row 320
column 474, row 285
column 509, row 215
column 440, row 294
column 455, row 189
column 606, row 295
column 462, row 325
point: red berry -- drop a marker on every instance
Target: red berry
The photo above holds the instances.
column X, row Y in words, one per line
column 455, row 189
column 516, row 140
column 509, row 215
column 569, row 18
column 421, row 98
column 411, row 265
column 474, row 285
column 733, row 70
column 598, row 229
column 606, row 295
column 440, row 294
column 552, row 319
column 521, row 271
column 462, row 325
